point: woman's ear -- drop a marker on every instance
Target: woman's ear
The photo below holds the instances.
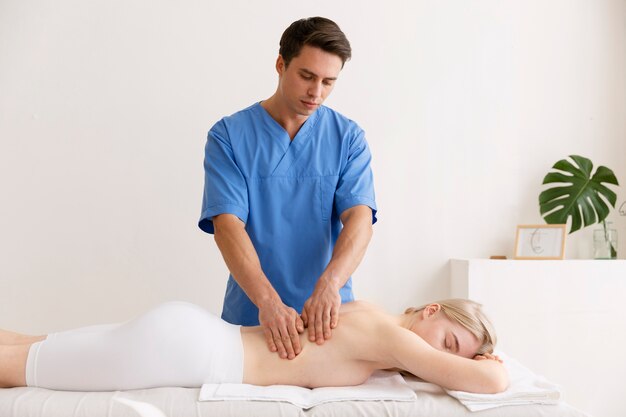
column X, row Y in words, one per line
column 430, row 310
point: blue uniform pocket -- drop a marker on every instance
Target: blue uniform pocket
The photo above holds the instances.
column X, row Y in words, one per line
column 328, row 185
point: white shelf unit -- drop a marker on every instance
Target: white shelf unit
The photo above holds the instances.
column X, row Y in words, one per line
column 563, row 319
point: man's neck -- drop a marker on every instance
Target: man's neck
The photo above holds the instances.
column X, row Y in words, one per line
column 290, row 121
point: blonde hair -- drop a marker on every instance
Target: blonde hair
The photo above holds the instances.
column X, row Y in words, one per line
column 468, row 314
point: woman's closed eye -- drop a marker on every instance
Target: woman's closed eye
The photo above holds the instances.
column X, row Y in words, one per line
column 451, row 343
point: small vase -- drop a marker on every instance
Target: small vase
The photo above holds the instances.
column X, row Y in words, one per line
column 605, row 242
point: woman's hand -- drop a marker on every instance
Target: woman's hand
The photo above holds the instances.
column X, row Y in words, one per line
column 490, row 356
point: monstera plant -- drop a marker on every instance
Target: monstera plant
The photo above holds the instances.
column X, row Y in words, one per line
column 577, row 193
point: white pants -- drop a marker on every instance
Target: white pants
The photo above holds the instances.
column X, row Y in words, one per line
column 175, row 344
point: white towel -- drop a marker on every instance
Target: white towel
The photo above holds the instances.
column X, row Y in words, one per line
column 382, row 385
column 525, row 387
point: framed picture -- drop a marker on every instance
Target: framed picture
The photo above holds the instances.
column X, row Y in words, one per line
column 544, row 241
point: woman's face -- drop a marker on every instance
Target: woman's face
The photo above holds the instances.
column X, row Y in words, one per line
column 444, row 334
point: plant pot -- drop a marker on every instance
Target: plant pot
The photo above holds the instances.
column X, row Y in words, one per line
column 605, row 242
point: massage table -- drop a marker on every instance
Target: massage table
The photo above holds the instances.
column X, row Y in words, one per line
column 430, row 401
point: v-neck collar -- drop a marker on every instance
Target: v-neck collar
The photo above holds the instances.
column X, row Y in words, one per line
column 292, row 148
column 303, row 132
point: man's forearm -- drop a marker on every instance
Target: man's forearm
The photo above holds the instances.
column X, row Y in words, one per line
column 350, row 247
column 281, row 323
column 241, row 258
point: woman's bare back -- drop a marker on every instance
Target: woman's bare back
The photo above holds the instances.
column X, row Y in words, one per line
column 348, row 358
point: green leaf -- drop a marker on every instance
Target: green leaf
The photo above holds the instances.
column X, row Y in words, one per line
column 557, row 177
column 603, row 174
column 585, row 164
column 579, row 196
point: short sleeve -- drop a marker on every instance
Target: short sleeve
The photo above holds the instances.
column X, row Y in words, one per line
column 356, row 180
column 225, row 189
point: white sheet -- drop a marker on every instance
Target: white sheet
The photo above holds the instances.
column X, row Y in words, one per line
column 382, row 385
column 431, row 401
column 525, row 387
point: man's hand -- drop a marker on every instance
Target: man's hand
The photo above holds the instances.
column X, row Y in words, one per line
column 321, row 312
column 282, row 326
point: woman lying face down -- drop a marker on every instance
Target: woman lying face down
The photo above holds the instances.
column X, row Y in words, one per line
column 458, row 326
column 449, row 343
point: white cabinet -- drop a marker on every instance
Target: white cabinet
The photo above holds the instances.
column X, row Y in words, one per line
column 563, row 319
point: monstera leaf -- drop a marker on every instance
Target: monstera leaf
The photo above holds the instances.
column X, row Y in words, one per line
column 578, row 194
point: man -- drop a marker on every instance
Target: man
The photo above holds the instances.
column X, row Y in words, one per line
column 289, row 195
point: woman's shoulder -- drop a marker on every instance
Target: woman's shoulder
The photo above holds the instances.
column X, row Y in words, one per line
column 369, row 318
column 369, row 330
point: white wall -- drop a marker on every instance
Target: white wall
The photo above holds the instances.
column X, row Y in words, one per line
column 105, row 105
column 567, row 336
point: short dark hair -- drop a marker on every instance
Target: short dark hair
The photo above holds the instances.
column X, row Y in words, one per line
column 319, row 32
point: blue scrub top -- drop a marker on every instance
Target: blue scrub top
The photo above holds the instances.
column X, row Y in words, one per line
column 290, row 195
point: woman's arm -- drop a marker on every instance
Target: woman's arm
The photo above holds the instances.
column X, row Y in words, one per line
column 411, row 353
